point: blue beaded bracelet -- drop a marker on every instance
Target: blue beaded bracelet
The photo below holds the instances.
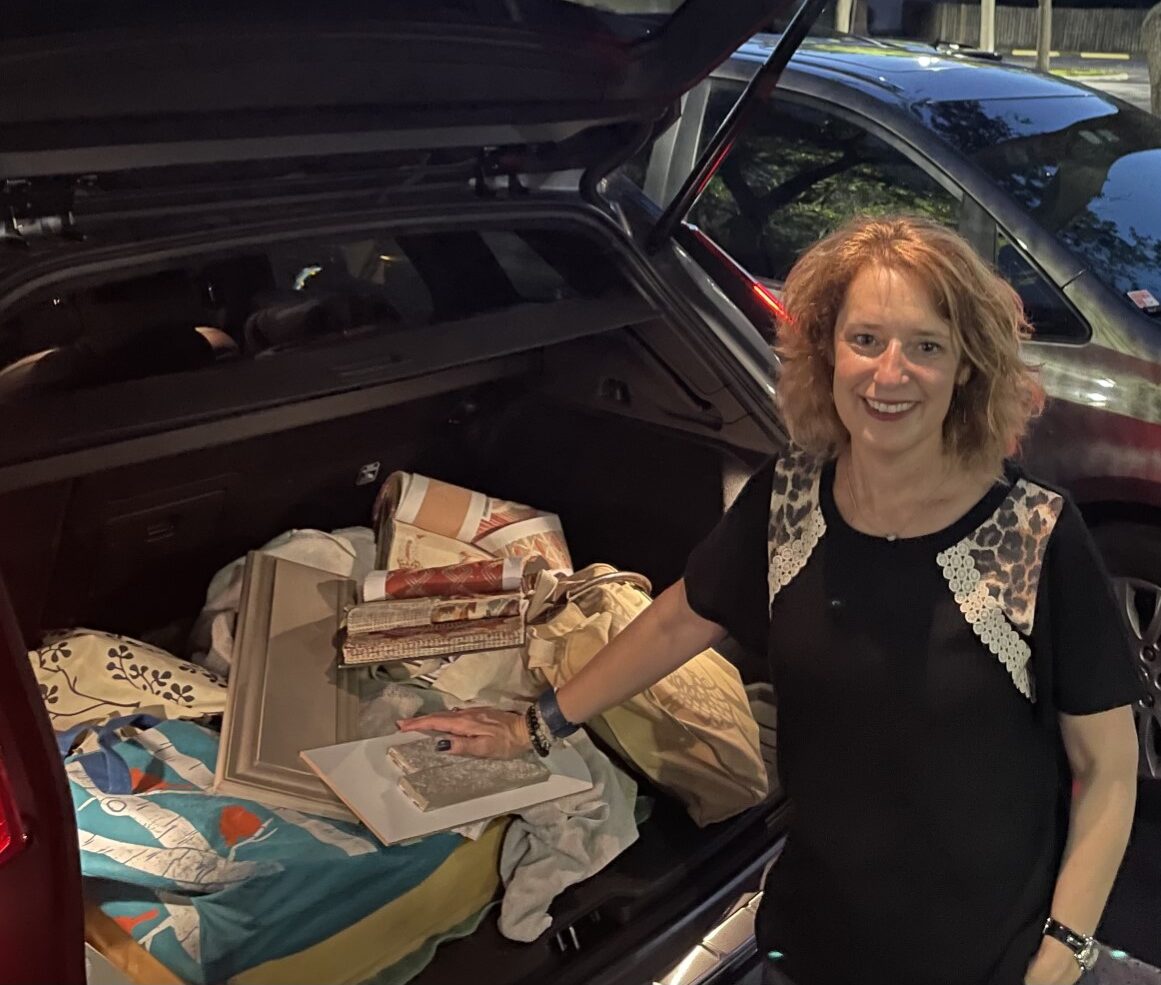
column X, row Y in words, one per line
column 553, row 717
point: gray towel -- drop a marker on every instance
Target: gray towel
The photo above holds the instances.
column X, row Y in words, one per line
column 549, row 847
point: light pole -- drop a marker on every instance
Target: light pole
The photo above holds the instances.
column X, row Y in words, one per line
column 1044, row 36
column 988, row 25
column 843, row 9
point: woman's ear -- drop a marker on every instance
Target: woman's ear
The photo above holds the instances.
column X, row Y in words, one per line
column 964, row 374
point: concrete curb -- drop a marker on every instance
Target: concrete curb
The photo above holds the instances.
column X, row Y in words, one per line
column 1112, row 56
column 1103, row 77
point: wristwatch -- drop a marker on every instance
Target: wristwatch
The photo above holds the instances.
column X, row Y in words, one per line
column 1084, row 949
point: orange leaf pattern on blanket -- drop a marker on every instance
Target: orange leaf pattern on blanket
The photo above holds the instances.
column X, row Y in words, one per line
column 144, row 781
column 128, row 922
column 237, row 823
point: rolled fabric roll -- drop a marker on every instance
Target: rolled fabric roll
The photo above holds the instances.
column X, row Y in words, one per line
column 500, row 527
column 508, row 574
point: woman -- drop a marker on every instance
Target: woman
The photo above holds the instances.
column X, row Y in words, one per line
column 952, row 676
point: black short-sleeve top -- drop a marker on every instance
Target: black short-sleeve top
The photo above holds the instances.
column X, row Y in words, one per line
column 918, row 682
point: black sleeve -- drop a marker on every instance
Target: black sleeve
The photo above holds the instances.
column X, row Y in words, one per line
column 725, row 577
column 1092, row 662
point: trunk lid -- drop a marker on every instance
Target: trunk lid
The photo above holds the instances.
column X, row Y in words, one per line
column 99, row 88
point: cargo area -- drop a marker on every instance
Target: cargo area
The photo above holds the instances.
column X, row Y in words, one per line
column 542, row 375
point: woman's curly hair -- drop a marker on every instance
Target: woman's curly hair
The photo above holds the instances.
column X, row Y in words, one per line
column 989, row 413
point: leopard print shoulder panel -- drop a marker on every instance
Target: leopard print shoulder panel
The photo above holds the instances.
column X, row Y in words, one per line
column 994, row 573
column 796, row 522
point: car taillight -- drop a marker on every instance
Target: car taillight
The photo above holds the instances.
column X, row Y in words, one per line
column 769, row 299
column 12, row 836
column 755, row 298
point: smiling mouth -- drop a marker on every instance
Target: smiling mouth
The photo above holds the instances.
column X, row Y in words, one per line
column 887, row 408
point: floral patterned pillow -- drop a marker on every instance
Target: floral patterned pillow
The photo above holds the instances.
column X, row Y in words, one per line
column 90, row 677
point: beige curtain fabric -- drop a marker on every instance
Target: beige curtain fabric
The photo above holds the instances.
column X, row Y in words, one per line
column 692, row 733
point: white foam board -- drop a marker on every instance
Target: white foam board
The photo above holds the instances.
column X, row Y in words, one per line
column 367, row 781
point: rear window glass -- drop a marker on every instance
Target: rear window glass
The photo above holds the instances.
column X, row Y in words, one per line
column 1085, row 167
column 286, row 297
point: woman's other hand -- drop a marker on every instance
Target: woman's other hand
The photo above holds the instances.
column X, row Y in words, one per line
column 485, row 732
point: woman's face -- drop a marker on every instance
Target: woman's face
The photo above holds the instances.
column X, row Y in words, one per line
column 895, row 365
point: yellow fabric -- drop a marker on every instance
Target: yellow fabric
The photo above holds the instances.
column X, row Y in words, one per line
column 692, row 732
column 122, row 951
column 465, row 883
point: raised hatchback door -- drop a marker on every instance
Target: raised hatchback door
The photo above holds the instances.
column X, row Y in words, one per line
column 94, row 88
column 41, row 908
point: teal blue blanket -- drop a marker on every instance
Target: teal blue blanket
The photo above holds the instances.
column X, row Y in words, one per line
column 214, row 885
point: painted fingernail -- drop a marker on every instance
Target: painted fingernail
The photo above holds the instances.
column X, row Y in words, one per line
column 443, row 745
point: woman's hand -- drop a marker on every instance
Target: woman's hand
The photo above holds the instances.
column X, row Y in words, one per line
column 1054, row 964
column 485, row 732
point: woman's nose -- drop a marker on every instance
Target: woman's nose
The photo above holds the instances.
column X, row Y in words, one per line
column 891, row 366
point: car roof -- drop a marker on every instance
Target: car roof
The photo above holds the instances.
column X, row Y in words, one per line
column 906, row 72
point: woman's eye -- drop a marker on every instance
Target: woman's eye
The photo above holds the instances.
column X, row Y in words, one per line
column 930, row 348
column 863, row 339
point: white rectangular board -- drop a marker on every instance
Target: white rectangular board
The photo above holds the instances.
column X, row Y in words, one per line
column 367, row 781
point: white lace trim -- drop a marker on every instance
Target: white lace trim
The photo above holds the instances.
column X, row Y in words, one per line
column 791, row 557
column 790, row 548
column 985, row 615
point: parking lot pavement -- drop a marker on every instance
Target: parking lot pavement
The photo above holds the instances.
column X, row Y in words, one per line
column 1124, row 77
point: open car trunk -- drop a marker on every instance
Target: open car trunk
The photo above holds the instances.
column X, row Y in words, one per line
column 617, row 425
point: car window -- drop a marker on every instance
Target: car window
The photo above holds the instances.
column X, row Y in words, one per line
column 284, row 296
column 1050, row 315
column 797, row 173
column 1084, row 167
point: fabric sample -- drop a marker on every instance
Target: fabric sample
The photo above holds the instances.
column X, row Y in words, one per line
column 408, row 629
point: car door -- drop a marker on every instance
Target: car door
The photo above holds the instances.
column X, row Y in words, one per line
column 803, row 166
column 41, row 918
